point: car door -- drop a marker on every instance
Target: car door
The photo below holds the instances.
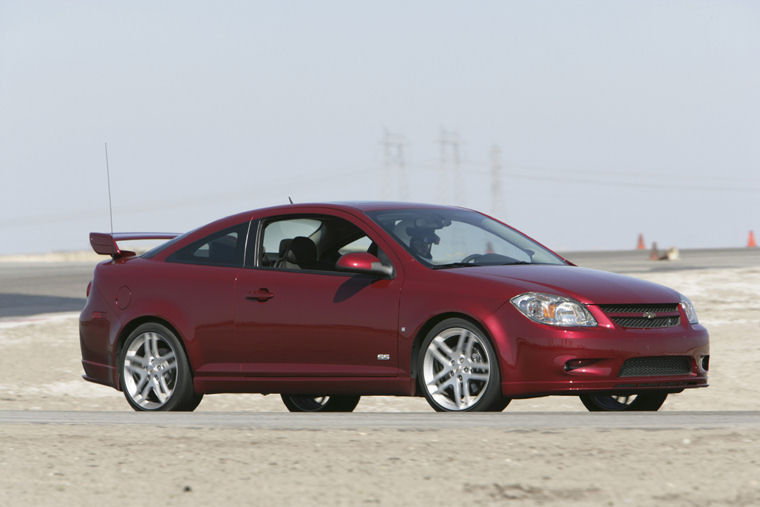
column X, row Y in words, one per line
column 311, row 320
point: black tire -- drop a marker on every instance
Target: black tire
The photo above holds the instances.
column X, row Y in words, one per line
column 646, row 401
column 458, row 369
column 154, row 373
column 499, row 405
column 320, row 403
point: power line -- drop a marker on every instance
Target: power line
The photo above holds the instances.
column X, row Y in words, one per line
column 533, row 173
column 449, row 171
column 649, row 175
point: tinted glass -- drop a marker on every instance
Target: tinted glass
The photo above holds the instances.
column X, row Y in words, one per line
column 163, row 246
column 223, row 248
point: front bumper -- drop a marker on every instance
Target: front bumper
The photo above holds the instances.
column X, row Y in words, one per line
column 539, row 360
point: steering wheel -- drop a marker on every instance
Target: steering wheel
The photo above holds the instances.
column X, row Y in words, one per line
column 470, row 258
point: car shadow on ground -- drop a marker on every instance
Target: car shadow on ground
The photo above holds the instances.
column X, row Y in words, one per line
column 21, row 305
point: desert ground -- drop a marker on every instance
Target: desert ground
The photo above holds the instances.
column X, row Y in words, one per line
column 48, row 464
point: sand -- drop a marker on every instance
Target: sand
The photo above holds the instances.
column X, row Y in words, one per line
column 130, row 465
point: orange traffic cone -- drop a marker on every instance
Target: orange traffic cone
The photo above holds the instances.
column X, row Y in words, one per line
column 653, row 254
column 751, row 243
column 641, row 245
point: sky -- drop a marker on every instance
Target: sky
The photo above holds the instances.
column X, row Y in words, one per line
column 612, row 119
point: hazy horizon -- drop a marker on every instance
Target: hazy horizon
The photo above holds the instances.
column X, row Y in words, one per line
column 612, row 119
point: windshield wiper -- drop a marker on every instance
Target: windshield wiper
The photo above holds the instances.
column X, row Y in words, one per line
column 456, row 265
column 471, row 264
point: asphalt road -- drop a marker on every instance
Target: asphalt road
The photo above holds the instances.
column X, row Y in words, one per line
column 523, row 421
column 637, row 261
column 35, row 288
column 41, row 287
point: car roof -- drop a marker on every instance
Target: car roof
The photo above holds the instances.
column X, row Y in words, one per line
column 363, row 206
column 315, row 207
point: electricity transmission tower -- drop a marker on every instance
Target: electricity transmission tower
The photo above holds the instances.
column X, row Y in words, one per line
column 451, row 169
column 497, row 208
column 395, row 165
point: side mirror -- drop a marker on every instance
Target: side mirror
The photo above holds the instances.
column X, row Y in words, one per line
column 362, row 262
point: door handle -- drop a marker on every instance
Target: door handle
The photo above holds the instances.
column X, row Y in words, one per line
column 260, row 295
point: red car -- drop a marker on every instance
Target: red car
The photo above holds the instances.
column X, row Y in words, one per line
column 324, row 303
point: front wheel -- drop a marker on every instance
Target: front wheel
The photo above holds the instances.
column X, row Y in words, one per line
column 458, row 370
column 651, row 401
column 154, row 372
column 320, row 403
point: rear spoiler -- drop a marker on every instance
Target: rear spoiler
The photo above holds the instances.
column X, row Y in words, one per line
column 105, row 243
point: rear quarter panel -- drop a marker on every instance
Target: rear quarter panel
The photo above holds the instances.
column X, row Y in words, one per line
column 194, row 300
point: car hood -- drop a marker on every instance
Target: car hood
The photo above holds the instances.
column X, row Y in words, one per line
column 588, row 286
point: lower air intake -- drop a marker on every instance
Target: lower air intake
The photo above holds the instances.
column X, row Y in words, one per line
column 656, row 366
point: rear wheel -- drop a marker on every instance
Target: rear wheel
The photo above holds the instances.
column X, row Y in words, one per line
column 154, row 372
column 458, row 369
column 320, row 403
column 650, row 401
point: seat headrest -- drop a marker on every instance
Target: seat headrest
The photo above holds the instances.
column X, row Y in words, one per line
column 302, row 251
column 284, row 244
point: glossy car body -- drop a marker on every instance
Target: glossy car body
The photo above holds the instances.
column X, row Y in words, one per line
column 246, row 326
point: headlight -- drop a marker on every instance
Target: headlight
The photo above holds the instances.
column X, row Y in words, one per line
column 553, row 310
column 688, row 308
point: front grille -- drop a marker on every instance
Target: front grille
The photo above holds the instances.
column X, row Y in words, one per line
column 656, row 366
column 643, row 316
column 645, row 323
column 663, row 308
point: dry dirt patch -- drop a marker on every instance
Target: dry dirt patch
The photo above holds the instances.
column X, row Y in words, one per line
column 130, row 465
column 46, row 465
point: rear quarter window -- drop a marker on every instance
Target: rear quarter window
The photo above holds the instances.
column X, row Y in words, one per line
column 223, row 248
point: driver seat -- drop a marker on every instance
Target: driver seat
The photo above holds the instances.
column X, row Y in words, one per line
column 301, row 253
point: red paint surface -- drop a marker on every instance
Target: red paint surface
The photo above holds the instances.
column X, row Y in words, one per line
column 252, row 329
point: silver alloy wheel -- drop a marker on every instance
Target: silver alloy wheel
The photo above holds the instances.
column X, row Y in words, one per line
column 623, row 399
column 613, row 401
column 456, row 368
column 320, row 402
column 310, row 403
column 641, row 401
column 150, row 370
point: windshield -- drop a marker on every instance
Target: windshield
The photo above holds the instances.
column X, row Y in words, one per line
column 443, row 238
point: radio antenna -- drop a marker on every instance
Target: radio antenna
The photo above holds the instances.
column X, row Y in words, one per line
column 108, row 177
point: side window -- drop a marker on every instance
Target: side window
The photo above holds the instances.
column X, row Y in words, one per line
column 363, row 244
column 313, row 242
column 278, row 236
column 223, row 248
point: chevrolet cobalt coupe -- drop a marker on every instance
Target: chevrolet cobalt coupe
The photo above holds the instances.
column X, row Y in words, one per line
column 324, row 303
